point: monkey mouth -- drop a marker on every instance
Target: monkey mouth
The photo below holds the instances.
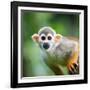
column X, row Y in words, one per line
column 46, row 46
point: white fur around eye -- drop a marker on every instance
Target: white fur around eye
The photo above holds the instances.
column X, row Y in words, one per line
column 42, row 36
column 50, row 36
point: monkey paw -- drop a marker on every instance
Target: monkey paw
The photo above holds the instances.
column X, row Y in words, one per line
column 73, row 67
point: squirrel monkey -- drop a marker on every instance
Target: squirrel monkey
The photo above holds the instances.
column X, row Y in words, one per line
column 58, row 51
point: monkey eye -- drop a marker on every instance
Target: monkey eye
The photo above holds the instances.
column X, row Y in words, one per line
column 43, row 37
column 49, row 37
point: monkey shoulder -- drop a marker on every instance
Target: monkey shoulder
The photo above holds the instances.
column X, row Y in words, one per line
column 65, row 48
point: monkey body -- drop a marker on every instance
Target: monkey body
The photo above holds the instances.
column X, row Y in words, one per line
column 60, row 55
column 62, row 52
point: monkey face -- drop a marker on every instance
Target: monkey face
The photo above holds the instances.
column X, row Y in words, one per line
column 47, row 38
column 46, row 41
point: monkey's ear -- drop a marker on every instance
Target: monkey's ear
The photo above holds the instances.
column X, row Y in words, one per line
column 58, row 37
column 35, row 37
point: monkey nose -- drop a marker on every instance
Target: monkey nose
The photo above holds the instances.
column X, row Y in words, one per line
column 45, row 45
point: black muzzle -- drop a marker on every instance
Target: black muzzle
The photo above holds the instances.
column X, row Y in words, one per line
column 45, row 45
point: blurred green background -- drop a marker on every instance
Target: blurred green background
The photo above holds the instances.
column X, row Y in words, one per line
column 66, row 24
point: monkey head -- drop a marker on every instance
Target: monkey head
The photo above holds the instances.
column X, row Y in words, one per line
column 46, row 38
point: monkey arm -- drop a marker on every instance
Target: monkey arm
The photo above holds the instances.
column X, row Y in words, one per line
column 73, row 61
